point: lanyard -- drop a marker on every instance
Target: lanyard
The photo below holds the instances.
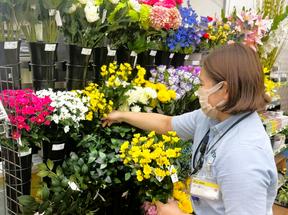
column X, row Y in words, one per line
column 202, row 147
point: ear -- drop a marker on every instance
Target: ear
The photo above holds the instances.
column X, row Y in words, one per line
column 224, row 89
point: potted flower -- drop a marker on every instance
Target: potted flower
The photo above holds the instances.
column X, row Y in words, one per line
column 38, row 24
column 186, row 39
column 68, row 112
column 27, row 115
column 84, row 26
column 9, row 43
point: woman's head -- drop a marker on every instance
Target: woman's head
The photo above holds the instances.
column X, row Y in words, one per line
column 239, row 69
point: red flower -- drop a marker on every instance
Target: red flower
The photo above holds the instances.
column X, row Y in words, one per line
column 179, row 2
column 47, row 122
column 206, row 36
column 210, row 19
column 15, row 135
column 40, row 119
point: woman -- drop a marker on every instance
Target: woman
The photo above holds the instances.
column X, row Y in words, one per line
column 231, row 149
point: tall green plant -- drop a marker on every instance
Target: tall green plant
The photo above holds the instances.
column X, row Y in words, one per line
column 8, row 26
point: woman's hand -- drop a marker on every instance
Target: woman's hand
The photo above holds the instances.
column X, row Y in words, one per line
column 170, row 208
column 113, row 117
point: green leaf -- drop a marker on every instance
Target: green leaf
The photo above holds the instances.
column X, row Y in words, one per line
column 91, row 159
column 117, row 181
column 43, row 173
column 59, row 171
column 26, row 200
column 103, row 166
column 84, row 169
column 102, row 155
column 127, row 176
column 50, row 164
column 45, row 193
column 42, row 166
column 108, row 179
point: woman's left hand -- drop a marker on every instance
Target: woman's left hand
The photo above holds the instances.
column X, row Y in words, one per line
column 170, row 208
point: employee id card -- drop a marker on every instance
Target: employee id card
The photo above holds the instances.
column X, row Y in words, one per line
column 203, row 188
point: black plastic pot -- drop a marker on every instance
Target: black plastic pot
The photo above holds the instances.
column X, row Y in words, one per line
column 55, row 151
column 43, row 65
column 145, row 59
column 123, row 55
column 10, row 57
column 162, row 58
column 77, row 68
column 100, row 58
column 178, row 60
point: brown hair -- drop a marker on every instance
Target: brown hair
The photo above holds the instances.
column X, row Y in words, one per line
column 240, row 67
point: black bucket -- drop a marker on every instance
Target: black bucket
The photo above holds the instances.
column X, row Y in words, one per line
column 77, row 68
column 178, row 60
column 43, row 58
column 162, row 58
column 123, row 55
column 10, row 58
column 54, row 151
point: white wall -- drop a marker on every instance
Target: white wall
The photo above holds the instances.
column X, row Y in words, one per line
column 207, row 7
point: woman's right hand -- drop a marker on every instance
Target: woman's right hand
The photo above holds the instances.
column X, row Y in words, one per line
column 113, row 117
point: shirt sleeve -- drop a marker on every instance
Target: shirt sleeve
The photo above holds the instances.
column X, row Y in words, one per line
column 185, row 124
column 244, row 176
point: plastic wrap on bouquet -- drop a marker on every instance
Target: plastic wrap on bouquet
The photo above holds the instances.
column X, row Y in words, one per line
column 43, row 58
column 10, row 58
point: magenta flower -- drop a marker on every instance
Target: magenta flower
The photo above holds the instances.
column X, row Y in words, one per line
column 165, row 18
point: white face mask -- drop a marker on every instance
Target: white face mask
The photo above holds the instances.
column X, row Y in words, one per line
column 204, row 94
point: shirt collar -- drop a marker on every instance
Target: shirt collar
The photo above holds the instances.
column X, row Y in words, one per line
column 217, row 127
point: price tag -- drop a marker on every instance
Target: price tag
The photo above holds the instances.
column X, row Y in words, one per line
column 22, row 154
column 50, row 47
column 58, row 147
column 52, row 12
column 10, row 76
column 171, row 55
column 133, row 54
column 104, row 15
column 195, row 62
column 159, row 178
column 58, row 19
column 111, row 52
column 86, row 51
column 186, row 57
column 174, row 176
column 11, row 45
column 3, row 113
column 153, row 53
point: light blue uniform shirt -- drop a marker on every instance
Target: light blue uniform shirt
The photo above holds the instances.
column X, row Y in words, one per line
column 242, row 163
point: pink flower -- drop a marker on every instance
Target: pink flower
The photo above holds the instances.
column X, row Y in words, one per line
column 27, row 128
column 166, row 3
column 20, row 119
column 40, row 119
column 47, row 122
column 149, row 2
column 15, row 135
column 162, row 17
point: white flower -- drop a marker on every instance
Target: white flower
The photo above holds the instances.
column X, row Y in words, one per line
column 83, row 1
column 55, row 118
column 73, row 186
column 135, row 5
column 66, row 129
column 114, row 1
column 37, row 213
column 136, row 108
column 72, row 9
column 91, row 12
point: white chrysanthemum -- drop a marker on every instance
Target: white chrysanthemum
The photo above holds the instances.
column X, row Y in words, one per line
column 136, row 108
column 91, row 12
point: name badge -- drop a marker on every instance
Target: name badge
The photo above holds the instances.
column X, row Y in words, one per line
column 204, row 189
